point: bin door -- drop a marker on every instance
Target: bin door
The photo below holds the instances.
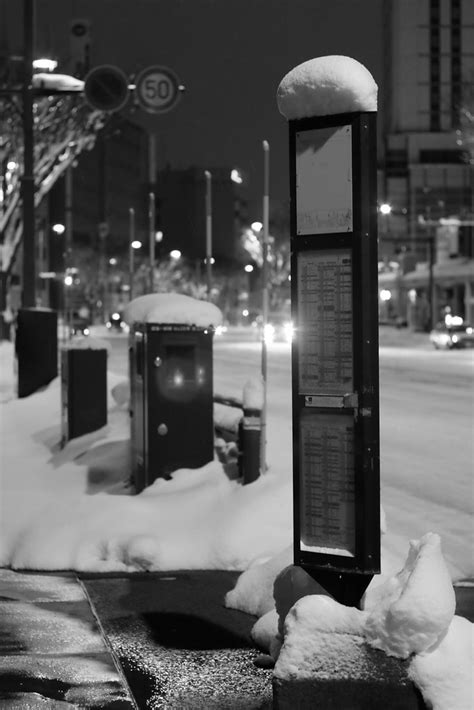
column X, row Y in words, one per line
column 180, row 406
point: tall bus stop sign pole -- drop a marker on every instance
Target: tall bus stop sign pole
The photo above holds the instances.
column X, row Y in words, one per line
column 335, row 385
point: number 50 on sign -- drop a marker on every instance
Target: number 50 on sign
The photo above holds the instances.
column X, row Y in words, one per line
column 157, row 89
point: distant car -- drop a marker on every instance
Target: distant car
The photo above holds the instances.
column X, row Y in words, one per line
column 80, row 326
column 220, row 330
column 279, row 328
column 453, row 333
column 116, row 322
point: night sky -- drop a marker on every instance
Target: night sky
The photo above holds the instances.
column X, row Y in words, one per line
column 230, row 54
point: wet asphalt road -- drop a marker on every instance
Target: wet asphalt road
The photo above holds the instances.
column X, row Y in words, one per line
column 177, row 644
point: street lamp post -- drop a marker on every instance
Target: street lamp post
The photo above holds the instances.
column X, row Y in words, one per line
column 152, row 238
column 208, row 232
column 28, row 177
column 131, row 241
column 265, row 238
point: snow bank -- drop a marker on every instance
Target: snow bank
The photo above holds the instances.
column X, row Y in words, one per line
column 304, row 628
column 86, row 342
column 409, row 615
column 445, row 675
column 172, row 308
column 326, row 86
column 412, row 611
column 252, row 396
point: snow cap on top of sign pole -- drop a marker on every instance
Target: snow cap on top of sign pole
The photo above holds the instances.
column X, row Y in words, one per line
column 325, row 86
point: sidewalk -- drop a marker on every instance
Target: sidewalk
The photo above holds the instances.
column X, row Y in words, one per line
column 159, row 640
column 52, row 651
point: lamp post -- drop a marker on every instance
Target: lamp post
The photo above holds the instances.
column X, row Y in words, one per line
column 265, row 238
column 131, row 246
column 208, row 233
column 28, row 177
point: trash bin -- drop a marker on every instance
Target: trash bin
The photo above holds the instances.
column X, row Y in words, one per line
column 171, row 403
column 83, row 391
column 36, row 348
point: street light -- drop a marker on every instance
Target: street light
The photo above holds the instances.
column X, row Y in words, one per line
column 175, row 254
column 44, row 64
column 385, row 208
column 58, row 228
column 236, row 177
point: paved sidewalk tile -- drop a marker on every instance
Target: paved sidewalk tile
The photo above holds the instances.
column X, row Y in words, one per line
column 52, row 652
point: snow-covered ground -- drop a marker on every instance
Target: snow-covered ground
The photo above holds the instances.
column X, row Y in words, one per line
column 71, row 508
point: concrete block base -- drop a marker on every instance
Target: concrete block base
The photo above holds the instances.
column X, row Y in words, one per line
column 346, row 674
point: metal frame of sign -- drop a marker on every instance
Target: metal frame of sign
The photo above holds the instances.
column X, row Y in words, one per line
column 339, row 414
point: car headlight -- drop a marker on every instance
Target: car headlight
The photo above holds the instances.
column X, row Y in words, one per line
column 289, row 331
column 269, row 333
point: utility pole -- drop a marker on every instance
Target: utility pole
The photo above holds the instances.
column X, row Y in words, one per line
column 68, row 249
column 265, row 239
column 131, row 239
column 28, row 177
column 208, row 233
column 152, row 207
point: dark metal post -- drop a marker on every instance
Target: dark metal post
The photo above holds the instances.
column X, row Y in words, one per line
column 265, row 239
column 431, row 284
column 131, row 239
column 152, row 237
column 67, row 250
column 28, row 178
column 250, row 443
column 208, row 233
column 152, row 207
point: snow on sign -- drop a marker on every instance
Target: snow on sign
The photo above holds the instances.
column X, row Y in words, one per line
column 157, row 89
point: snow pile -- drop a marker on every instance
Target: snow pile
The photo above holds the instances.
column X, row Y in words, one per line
column 410, row 615
column 72, row 508
column 172, row 308
column 445, row 675
column 86, row 342
column 252, row 396
column 326, row 86
column 305, row 626
column 64, row 82
column 411, row 612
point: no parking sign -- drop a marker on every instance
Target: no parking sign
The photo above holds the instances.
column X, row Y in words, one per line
column 157, row 89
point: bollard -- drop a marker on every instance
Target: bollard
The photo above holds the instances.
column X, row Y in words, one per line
column 83, row 391
column 250, row 431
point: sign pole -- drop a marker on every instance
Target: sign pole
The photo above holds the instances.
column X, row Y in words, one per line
column 151, row 206
column 68, row 237
column 131, row 239
column 265, row 236
column 28, row 177
column 208, row 233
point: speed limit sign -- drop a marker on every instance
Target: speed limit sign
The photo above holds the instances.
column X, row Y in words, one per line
column 157, row 89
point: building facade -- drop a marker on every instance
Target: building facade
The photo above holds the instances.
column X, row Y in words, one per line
column 181, row 197
column 428, row 166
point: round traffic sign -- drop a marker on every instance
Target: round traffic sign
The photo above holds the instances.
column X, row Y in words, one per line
column 106, row 88
column 157, row 89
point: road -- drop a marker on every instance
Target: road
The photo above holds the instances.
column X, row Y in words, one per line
column 426, row 423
